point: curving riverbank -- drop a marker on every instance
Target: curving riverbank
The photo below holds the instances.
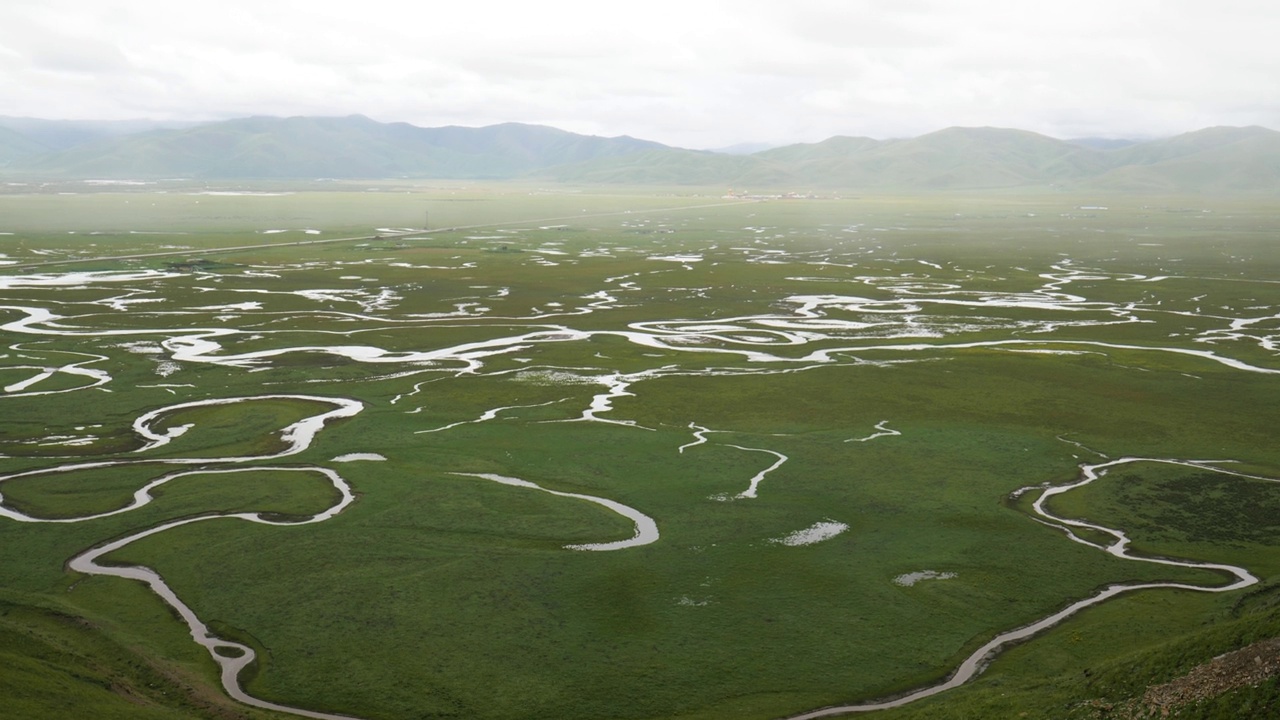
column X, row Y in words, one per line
column 231, row 657
column 977, row 661
column 646, row 530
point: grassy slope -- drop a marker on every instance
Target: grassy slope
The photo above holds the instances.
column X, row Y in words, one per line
column 58, row 665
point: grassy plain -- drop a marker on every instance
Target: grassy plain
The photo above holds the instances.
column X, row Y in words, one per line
column 983, row 330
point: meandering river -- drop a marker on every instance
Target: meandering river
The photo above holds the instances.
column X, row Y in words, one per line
column 801, row 332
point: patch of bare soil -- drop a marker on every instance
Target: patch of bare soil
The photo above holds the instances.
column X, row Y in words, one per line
column 1247, row 667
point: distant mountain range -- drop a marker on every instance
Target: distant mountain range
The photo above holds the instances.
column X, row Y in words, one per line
column 1220, row 159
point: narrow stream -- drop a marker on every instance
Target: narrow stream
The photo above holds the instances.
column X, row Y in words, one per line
column 800, row 333
column 980, row 658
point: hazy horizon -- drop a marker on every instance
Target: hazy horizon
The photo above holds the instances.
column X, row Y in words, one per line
column 702, row 74
column 737, row 147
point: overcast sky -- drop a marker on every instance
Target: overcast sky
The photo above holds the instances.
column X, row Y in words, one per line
column 692, row 73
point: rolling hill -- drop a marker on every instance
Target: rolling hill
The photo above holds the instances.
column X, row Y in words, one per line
column 947, row 159
column 315, row 147
column 14, row 145
column 1209, row 160
column 1222, row 159
column 52, row 135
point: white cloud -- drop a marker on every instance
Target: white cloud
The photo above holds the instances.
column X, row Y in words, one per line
column 695, row 73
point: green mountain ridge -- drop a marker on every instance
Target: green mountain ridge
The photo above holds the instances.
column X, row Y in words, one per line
column 1219, row 159
column 51, row 135
column 14, row 144
column 306, row 147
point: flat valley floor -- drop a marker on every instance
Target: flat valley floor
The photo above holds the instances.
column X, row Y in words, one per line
column 629, row 454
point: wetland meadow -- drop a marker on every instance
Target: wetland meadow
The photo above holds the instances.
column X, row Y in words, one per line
column 505, row 452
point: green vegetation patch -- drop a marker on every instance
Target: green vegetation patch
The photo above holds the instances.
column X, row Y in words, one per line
column 838, row 413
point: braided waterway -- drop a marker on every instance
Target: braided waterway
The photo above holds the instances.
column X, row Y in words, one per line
column 920, row 320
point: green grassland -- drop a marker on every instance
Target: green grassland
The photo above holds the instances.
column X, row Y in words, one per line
column 443, row 595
